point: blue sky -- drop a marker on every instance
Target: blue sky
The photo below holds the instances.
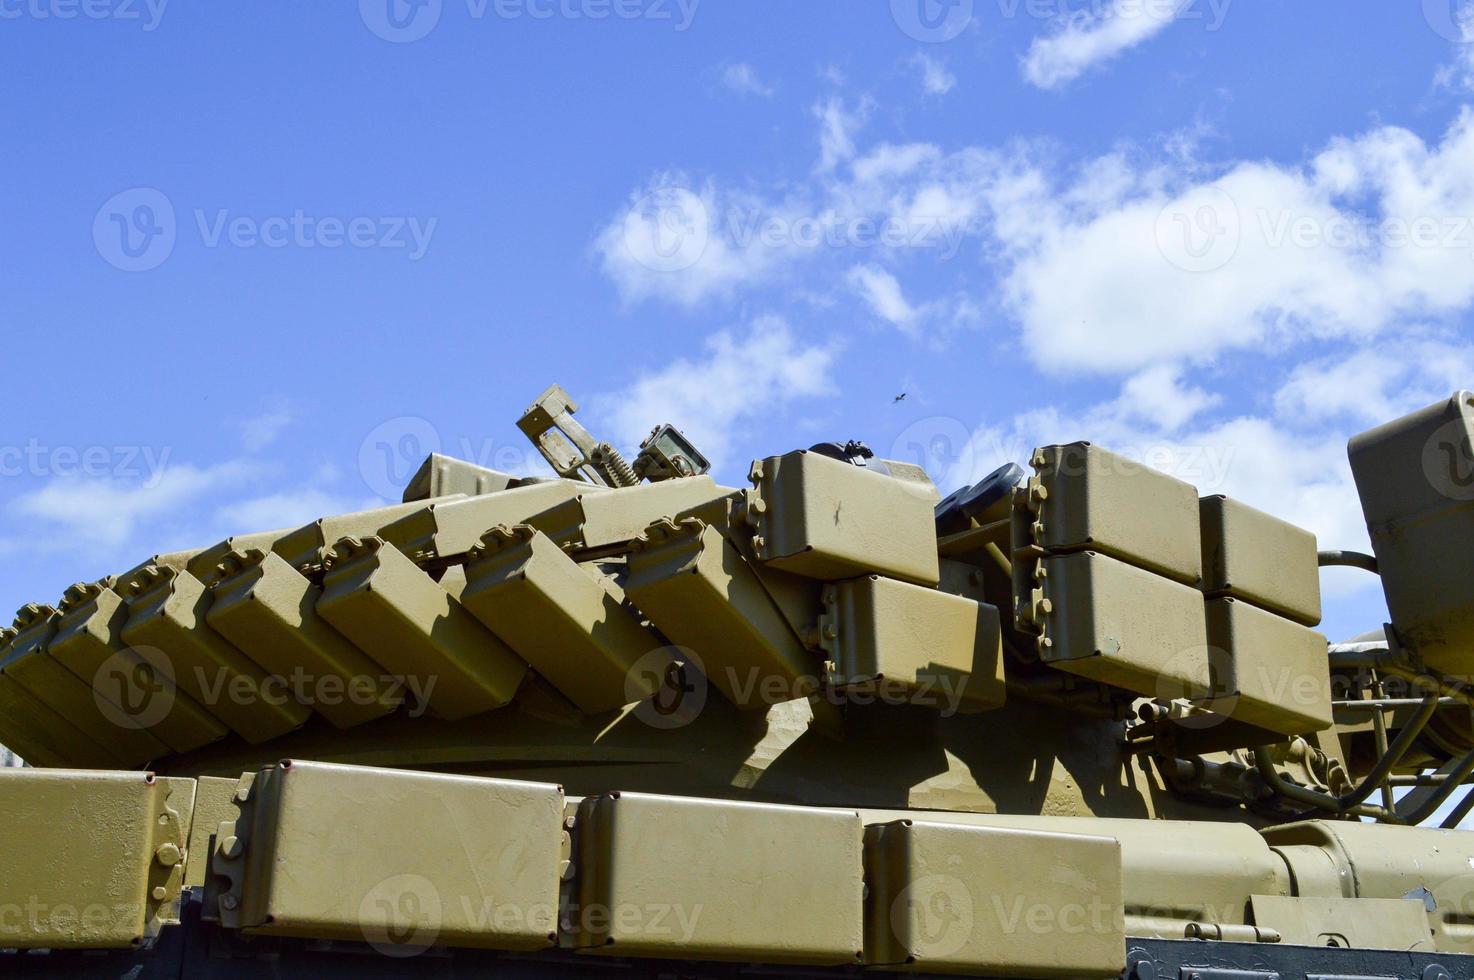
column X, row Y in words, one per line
column 258, row 258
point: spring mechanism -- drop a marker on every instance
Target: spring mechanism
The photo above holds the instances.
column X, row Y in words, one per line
column 611, row 464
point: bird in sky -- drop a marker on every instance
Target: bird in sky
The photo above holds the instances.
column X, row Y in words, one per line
column 899, row 398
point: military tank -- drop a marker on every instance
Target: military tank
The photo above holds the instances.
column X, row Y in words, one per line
column 1074, row 722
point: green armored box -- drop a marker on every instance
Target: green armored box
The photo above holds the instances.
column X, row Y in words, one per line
column 1120, row 625
column 1268, row 672
column 1249, row 555
column 1415, row 477
column 920, row 646
column 831, row 520
column 1085, row 497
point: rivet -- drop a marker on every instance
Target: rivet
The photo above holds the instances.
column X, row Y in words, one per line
column 229, row 902
column 160, row 893
column 168, row 855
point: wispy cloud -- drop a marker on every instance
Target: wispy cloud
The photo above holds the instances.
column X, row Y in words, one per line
column 1086, row 40
column 883, row 294
column 262, row 430
column 743, row 375
column 935, row 78
column 743, row 79
column 102, row 512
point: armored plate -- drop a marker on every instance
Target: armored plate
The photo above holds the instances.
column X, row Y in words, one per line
column 923, row 646
column 448, row 528
column 562, row 621
column 702, row 595
column 1087, row 498
column 604, row 519
column 1359, row 923
column 89, row 642
column 444, row 860
column 1267, row 671
column 392, row 610
column 446, row 476
column 1120, row 625
column 1415, row 477
column 167, row 614
column 1249, row 555
column 946, row 898
column 306, row 548
column 30, row 664
column 88, row 859
column 831, row 520
column 266, row 607
column 706, row 879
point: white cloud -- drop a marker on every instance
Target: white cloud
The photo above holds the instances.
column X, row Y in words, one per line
column 743, row 79
column 105, row 513
column 288, row 509
column 1376, row 232
column 743, row 376
column 1089, row 39
column 882, row 292
column 1460, row 74
column 261, row 431
column 1112, row 265
column 935, row 78
column 837, row 129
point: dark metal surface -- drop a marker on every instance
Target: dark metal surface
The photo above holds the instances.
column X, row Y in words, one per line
column 196, row 951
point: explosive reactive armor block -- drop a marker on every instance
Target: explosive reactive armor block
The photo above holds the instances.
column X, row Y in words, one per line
column 832, row 520
column 391, row 609
column 30, row 663
column 946, row 898
column 1267, row 671
column 452, row 860
column 1415, row 477
column 563, row 621
column 134, row 682
column 1249, row 555
column 926, row 646
column 730, row 881
column 703, row 595
column 1085, row 497
column 267, row 608
column 91, row 858
column 1119, row 625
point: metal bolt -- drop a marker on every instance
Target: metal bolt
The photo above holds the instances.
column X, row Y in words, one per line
column 229, row 902
column 168, row 855
column 231, row 847
column 160, row 893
